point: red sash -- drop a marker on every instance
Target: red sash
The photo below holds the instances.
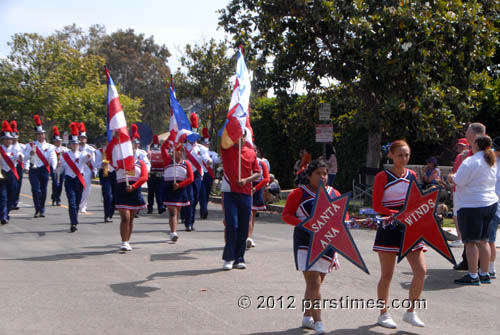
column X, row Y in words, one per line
column 194, row 161
column 209, row 169
column 9, row 162
column 42, row 157
column 73, row 167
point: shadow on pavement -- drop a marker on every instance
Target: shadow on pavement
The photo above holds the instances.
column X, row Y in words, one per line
column 132, row 289
column 437, row 279
column 40, row 233
column 62, row 257
column 181, row 255
column 363, row 330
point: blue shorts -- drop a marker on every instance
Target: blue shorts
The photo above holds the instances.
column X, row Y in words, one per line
column 493, row 227
column 474, row 222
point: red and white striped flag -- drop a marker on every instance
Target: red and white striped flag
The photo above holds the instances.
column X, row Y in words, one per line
column 123, row 155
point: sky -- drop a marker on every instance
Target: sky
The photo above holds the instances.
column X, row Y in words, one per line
column 173, row 23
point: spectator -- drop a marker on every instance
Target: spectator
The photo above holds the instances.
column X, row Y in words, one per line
column 301, row 178
column 273, row 190
column 493, row 228
column 476, row 203
column 432, row 174
column 462, row 145
column 331, row 159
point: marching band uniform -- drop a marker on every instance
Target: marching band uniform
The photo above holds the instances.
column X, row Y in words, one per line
column 237, row 202
column 130, row 200
column 183, row 177
column 20, row 165
column 258, row 196
column 73, row 165
column 197, row 157
column 208, row 175
column 389, row 194
column 58, row 174
column 42, row 158
column 155, row 183
column 107, row 178
column 8, row 184
column 90, row 170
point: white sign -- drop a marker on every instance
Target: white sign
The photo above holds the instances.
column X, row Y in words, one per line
column 325, row 112
column 324, row 133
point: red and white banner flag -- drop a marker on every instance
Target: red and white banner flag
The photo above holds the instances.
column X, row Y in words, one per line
column 121, row 146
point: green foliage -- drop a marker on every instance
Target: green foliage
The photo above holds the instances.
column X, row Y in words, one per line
column 207, row 79
column 46, row 76
column 417, row 69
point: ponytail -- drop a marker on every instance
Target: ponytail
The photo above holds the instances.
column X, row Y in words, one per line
column 484, row 143
column 490, row 157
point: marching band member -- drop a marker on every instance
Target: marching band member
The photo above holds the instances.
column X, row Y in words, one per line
column 20, row 164
column 42, row 158
column 208, row 175
column 128, row 195
column 237, row 201
column 89, row 171
column 197, row 156
column 155, row 183
column 58, row 174
column 389, row 193
column 73, row 163
column 258, row 203
column 177, row 176
column 10, row 178
column 107, row 179
column 299, row 205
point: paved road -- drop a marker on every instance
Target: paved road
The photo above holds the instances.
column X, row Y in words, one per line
column 54, row 282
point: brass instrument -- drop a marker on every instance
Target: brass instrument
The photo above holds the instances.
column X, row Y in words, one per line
column 105, row 164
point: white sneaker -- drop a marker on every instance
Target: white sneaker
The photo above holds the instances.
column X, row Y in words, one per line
column 83, row 210
column 250, row 243
column 319, row 327
column 228, row 265
column 385, row 320
column 456, row 244
column 308, row 322
column 413, row 319
column 123, row 247
column 128, row 246
column 174, row 237
column 240, row 266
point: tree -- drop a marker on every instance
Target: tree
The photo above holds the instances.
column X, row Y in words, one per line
column 140, row 66
column 209, row 69
column 48, row 77
column 416, row 69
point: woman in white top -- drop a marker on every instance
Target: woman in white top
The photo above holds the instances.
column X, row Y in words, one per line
column 476, row 203
column 331, row 159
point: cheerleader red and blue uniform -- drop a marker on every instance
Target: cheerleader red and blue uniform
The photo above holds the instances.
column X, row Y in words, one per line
column 389, row 195
column 298, row 207
column 258, row 196
column 183, row 177
column 130, row 200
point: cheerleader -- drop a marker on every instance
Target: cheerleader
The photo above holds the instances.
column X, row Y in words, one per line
column 389, row 194
column 258, row 204
column 73, row 163
column 175, row 188
column 299, row 206
column 128, row 193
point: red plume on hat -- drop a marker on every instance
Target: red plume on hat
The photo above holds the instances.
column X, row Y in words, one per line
column 135, row 131
column 82, row 127
column 156, row 140
column 38, row 121
column 194, row 120
column 6, row 127
column 55, row 131
column 204, row 132
column 74, row 126
column 13, row 125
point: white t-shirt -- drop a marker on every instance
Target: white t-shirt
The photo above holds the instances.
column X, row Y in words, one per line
column 475, row 181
